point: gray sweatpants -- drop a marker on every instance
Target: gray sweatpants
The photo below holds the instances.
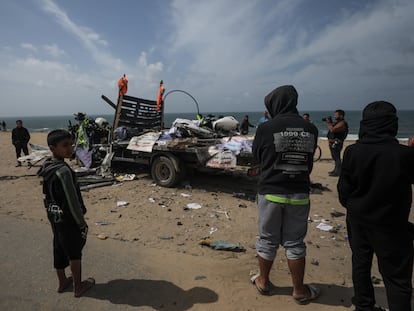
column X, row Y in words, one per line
column 282, row 224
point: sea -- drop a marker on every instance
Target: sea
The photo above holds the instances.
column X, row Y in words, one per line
column 48, row 123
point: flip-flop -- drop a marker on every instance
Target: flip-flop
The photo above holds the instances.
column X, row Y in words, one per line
column 315, row 292
column 90, row 283
column 262, row 291
column 68, row 283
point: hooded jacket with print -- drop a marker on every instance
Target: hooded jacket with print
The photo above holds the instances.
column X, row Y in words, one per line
column 284, row 146
column 61, row 194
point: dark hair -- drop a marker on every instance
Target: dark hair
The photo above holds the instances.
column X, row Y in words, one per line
column 306, row 114
column 341, row 112
column 56, row 136
column 19, row 121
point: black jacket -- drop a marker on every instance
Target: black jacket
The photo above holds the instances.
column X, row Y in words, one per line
column 284, row 145
column 377, row 172
column 20, row 135
column 62, row 197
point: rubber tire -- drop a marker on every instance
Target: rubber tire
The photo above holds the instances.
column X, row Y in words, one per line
column 163, row 172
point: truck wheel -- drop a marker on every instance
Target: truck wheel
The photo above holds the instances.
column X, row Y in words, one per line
column 164, row 172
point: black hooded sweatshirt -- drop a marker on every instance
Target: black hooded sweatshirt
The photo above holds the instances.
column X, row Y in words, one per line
column 377, row 172
column 61, row 194
column 284, row 145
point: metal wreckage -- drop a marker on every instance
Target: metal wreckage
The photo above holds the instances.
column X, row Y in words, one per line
column 138, row 137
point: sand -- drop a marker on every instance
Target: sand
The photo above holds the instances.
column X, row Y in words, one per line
column 156, row 225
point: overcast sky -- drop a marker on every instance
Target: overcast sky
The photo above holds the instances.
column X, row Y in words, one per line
column 57, row 57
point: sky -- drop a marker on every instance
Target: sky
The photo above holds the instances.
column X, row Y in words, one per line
column 58, row 57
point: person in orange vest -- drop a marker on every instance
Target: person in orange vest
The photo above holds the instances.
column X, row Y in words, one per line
column 160, row 100
column 123, row 85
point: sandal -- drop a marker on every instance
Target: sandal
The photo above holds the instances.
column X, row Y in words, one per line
column 86, row 285
column 68, row 283
column 262, row 291
column 315, row 293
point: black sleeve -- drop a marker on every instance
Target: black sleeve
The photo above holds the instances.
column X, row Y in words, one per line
column 344, row 183
column 27, row 135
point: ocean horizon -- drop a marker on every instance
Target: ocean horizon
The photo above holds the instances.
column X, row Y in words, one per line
column 48, row 123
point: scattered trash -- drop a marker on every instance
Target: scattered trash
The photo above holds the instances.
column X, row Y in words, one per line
column 179, row 223
column 101, row 236
column 242, row 205
column 375, row 280
column 117, row 184
column 324, row 227
column 103, row 223
column 222, row 245
column 152, row 200
column 186, row 195
column 193, row 206
column 314, row 262
column 96, row 185
column 212, row 230
column 121, row 203
column 223, row 212
column 166, row 237
column 200, row 277
column 188, row 187
column 337, row 214
column 126, row 177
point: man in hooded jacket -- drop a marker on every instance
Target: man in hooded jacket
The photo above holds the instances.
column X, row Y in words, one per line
column 375, row 188
column 284, row 147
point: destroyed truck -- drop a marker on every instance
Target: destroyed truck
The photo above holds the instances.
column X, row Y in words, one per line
column 138, row 136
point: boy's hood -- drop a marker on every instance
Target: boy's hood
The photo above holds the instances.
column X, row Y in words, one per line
column 379, row 122
column 283, row 99
column 49, row 167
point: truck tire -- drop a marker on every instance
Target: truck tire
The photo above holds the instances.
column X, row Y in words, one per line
column 164, row 172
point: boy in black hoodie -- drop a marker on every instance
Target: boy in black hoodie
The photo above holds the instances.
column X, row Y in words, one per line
column 65, row 210
column 284, row 146
column 375, row 188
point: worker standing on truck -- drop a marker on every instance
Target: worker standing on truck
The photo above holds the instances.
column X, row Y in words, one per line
column 123, row 85
column 160, row 100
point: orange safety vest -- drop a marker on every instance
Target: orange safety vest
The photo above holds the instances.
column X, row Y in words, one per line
column 123, row 85
column 159, row 97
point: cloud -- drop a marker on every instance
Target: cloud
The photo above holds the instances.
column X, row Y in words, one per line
column 54, row 50
column 91, row 40
column 28, row 46
column 252, row 48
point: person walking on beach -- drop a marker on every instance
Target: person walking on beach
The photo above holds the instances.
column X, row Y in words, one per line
column 375, row 188
column 20, row 139
column 284, row 147
column 3, row 124
column 245, row 124
column 337, row 133
column 65, row 210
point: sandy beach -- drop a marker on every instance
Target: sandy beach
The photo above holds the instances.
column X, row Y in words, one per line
column 151, row 259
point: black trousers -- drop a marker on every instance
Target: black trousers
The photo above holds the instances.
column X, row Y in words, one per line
column 336, row 149
column 19, row 147
column 394, row 251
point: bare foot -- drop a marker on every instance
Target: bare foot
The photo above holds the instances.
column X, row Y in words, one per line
column 84, row 287
column 65, row 285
